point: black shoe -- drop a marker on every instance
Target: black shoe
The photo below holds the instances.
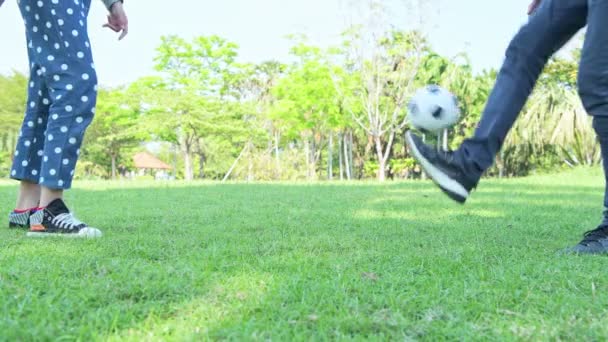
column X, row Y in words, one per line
column 441, row 168
column 594, row 242
column 19, row 220
column 56, row 220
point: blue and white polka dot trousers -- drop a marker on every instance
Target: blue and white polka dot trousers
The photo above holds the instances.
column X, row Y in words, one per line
column 62, row 92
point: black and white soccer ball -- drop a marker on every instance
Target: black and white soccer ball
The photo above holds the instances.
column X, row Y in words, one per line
column 433, row 109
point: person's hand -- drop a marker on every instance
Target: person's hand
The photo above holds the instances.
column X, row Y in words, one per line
column 533, row 6
column 117, row 20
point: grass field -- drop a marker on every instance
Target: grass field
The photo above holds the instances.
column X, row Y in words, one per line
column 312, row 262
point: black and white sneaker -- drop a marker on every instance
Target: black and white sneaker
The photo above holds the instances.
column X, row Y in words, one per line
column 594, row 242
column 440, row 167
column 57, row 220
column 19, row 219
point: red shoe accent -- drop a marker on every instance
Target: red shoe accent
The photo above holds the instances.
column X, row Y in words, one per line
column 37, row 228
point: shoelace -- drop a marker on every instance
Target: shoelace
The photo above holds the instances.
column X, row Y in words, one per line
column 595, row 235
column 67, row 221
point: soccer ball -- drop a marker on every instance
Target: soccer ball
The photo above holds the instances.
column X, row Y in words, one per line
column 433, row 109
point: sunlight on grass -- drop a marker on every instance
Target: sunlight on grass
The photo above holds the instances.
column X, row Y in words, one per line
column 227, row 302
column 429, row 213
column 394, row 261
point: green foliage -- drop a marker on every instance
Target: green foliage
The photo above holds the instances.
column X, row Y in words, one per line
column 13, row 92
column 195, row 100
column 306, row 100
column 203, row 65
column 384, row 65
column 88, row 170
column 211, row 109
column 113, row 135
column 403, row 168
column 5, row 163
column 562, row 71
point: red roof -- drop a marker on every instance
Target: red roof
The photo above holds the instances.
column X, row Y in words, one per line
column 145, row 160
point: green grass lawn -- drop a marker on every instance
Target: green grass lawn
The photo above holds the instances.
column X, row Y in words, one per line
column 299, row 262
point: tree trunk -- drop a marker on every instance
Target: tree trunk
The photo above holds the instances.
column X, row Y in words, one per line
column 188, row 167
column 347, row 162
column 113, row 166
column 341, row 160
column 175, row 148
column 276, row 155
column 188, row 164
column 381, row 170
column 201, row 165
column 380, row 159
column 351, row 171
column 250, row 176
column 315, row 156
column 307, row 153
column 330, row 157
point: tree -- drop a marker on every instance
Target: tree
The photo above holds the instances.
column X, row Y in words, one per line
column 308, row 105
column 263, row 80
column 194, row 91
column 386, row 64
column 13, row 92
column 114, row 130
column 252, row 86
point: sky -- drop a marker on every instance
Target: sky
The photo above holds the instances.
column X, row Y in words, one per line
column 482, row 28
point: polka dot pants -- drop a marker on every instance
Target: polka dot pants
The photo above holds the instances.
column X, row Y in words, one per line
column 62, row 91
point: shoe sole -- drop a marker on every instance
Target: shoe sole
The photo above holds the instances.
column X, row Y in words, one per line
column 450, row 187
column 574, row 251
column 89, row 234
column 59, row 235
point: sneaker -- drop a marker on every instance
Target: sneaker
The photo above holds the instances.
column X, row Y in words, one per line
column 441, row 168
column 594, row 242
column 19, row 220
column 57, row 220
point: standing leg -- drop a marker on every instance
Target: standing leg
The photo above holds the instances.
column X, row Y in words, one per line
column 548, row 29
column 593, row 89
column 29, row 150
column 73, row 86
column 60, row 46
column 28, row 154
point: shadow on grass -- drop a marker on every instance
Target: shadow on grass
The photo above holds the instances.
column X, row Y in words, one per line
column 276, row 261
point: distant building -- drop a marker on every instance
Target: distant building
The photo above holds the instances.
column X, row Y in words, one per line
column 146, row 163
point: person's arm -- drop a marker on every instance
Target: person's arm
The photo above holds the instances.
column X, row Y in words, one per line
column 109, row 3
column 117, row 19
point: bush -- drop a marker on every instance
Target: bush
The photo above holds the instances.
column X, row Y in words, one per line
column 5, row 164
column 523, row 159
column 86, row 170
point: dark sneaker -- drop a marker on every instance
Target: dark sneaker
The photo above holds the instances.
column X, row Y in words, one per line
column 594, row 242
column 440, row 167
column 56, row 220
column 19, row 220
